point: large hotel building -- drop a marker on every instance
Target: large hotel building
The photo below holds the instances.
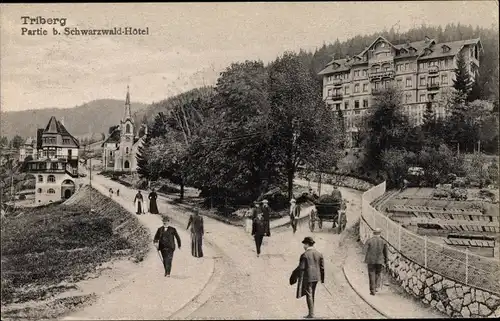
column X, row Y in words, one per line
column 423, row 70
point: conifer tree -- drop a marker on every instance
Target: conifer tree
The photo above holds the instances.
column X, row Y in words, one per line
column 462, row 82
column 142, row 158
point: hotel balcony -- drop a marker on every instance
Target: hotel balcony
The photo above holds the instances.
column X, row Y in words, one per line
column 335, row 97
column 337, row 82
column 432, row 86
column 376, row 75
column 433, row 69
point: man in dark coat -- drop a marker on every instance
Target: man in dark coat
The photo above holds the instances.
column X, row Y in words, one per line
column 376, row 256
column 259, row 230
column 266, row 213
column 311, row 269
column 255, row 210
column 164, row 241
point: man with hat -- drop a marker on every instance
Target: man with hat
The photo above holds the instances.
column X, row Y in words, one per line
column 164, row 241
column 266, row 213
column 294, row 214
column 255, row 210
column 376, row 256
column 310, row 271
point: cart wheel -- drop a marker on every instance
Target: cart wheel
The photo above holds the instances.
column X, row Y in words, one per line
column 320, row 223
column 311, row 225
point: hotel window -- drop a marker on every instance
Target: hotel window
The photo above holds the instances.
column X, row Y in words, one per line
column 337, row 106
column 421, row 65
column 51, row 179
column 441, row 63
column 346, row 105
column 399, row 81
column 330, row 92
column 365, row 72
column 356, row 104
column 408, row 98
column 346, row 90
column 365, row 103
column 422, row 98
column 51, row 191
column 40, row 179
column 377, row 69
column 422, row 81
column 66, row 141
column 376, row 85
column 356, row 88
column 52, row 153
column 433, row 80
column 365, row 87
column 386, row 68
column 356, row 112
column 356, row 73
column 444, row 79
column 408, row 82
column 407, row 66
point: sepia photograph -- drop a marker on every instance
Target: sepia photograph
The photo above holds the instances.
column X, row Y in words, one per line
column 249, row 160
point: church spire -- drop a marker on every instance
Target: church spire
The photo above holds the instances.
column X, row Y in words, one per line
column 128, row 113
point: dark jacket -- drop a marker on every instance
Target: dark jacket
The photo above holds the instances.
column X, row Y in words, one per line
column 376, row 251
column 165, row 238
column 266, row 212
column 259, row 227
column 312, row 269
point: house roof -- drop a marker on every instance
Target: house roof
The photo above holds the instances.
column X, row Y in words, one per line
column 455, row 47
column 114, row 137
column 436, row 51
column 39, row 133
column 56, row 127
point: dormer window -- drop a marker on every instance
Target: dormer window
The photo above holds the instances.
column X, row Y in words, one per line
column 445, row 48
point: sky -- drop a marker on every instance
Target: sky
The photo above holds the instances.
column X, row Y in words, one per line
column 188, row 44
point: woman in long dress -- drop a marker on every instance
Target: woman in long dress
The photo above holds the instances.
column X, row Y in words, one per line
column 138, row 199
column 153, row 207
column 197, row 231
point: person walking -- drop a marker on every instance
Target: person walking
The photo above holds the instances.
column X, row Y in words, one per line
column 197, row 231
column 138, row 198
column 255, row 210
column 259, row 230
column 376, row 256
column 294, row 214
column 164, row 241
column 118, row 192
column 110, row 192
column 153, row 206
column 310, row 271
column 266, row 214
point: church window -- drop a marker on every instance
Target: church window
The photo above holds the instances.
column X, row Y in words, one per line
column 51, row 179
column 127, row 164
column 127, row 129
column 40, row 179
column 126, row 150
column 51, row 191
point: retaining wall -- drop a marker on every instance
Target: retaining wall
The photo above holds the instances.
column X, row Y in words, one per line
column 453, row 298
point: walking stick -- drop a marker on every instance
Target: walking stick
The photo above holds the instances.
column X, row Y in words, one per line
column 159, row 255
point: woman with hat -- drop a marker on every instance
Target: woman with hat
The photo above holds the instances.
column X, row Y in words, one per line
column 197, row 231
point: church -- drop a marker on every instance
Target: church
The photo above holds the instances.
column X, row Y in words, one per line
column 121, row 146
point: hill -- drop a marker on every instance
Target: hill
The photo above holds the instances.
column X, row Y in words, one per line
column 93, row 117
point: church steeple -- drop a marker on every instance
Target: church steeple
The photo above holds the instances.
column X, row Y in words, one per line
column 128, row 113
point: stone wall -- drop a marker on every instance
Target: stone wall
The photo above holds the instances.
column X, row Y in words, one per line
column 450, row 297
column 340, row 180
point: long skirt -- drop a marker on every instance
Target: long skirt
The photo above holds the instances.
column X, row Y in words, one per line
column 139, row 207
column 153, row 208
column 196, row 244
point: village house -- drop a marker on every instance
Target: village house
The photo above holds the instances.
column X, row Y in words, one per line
column 55, row 163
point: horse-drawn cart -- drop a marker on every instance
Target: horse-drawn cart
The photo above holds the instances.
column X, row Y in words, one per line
column 334, row 212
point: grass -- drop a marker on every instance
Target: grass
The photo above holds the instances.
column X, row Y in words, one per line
column 56, row 244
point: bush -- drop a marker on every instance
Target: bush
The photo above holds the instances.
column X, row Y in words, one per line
column 22, row 197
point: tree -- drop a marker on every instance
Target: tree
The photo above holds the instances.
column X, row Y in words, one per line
column 112, row 129
column 476, row 91
column 4, row 142
column 462, row 82
column 159, row 128
column 231, row 158
column 387, row 126
column 303, row 127
column 16, row 142
column 143, row 159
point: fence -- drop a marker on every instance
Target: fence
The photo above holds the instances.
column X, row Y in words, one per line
column 461, row 266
